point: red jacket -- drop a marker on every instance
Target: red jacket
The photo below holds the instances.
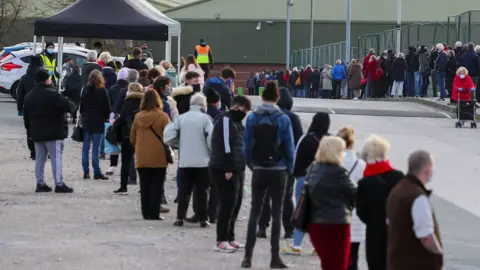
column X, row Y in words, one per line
column 466, row 85
column 371, row 70
column 307, row 76
column 366, row 60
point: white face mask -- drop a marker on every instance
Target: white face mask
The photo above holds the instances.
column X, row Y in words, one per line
column 462, row 76
column 385, row 57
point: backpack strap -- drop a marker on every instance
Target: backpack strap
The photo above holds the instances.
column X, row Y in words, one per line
column 353, row 168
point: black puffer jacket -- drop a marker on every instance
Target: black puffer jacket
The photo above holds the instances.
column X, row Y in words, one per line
column 308, row 144
column 286, row 103
column 227, row 148
column 95, row 109
column 87, row 68
column 45, row 114
column 27, row 82
column 124, row 122
column 331, row 193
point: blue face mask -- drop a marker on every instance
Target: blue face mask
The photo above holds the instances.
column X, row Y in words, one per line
column 50, row 51
column 219, row 106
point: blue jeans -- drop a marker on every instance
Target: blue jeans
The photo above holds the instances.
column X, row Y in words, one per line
column 298, row 235
column 418, row 83
column 441, row 83
column 94, row 139
column 367, row 88
column 102, row 145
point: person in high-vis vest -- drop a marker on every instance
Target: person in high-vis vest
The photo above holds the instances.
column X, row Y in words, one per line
column 203, row 54
column 50, row 61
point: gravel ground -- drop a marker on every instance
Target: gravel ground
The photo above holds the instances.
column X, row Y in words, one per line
column 93, row 229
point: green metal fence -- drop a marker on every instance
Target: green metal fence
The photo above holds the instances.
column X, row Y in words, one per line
column 467, row 25
column 411, row 35
column 322, row 55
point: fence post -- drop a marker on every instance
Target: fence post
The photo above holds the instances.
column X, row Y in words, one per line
column 469, row 26
column 418, row 35
column 435, row 33
column 408, row 36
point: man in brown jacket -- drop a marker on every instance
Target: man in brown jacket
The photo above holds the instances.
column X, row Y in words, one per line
column 413, row 237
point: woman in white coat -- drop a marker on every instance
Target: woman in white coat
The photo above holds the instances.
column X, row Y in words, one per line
column 192, row 65
column 355, row 166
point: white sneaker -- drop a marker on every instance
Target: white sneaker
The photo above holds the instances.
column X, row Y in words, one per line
column 110, row 171
column 236, row 245
column 291, row 250
column 224, row 247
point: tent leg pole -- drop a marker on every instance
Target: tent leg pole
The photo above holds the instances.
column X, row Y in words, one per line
column 60, row 62
column 178, row 54
column 168, row 46
column 43, row 43
column 34, row 45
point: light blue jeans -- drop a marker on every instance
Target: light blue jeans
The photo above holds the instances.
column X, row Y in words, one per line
column 298, row 235
column 418, row 83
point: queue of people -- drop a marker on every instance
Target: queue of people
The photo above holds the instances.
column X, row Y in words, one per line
column 352, row 198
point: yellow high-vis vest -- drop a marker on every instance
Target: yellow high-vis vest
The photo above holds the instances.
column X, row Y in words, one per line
column 202, row 54
column 48, row 64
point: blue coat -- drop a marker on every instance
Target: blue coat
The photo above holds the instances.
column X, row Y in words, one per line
column 339, row 73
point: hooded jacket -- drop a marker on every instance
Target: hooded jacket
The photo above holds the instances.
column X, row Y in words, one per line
column 399, row 67
column 73, row 86
column 149, row 150
column 115, row 92
column 182, row 96
column 285, row 103
column 227, row 145
column 171, row 73
column 26, row 84
column 131, row 106
column 219, row 85
column 412, row 60
column 424, row 60
column 193, row 131
column 110, row 77
column 284, row 138
column 45, row 114
column 355, row 76
column 308, row 144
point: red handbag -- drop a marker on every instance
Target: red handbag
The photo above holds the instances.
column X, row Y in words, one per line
column 364, row 81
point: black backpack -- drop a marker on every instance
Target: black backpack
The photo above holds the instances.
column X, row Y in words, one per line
column 265, row 150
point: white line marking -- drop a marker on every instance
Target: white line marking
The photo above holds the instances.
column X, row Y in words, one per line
column 448, row 116
column 331, row 111
column 425, row 107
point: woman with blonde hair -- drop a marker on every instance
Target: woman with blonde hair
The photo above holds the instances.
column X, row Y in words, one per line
column 355, row 166
column 104, row 58
column 192, row 65
column 331, row 199
column 151, row 161
column 95, row 111
column 379, row 178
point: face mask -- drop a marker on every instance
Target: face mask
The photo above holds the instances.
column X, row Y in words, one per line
column 384, row 57
column 168, row 91
column 50, row 51
column 48, row 82
column 237, row 116
column 219, row 106
column 196, row 87
column 462, row 76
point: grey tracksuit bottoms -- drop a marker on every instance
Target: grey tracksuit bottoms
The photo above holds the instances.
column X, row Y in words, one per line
column 54, row 149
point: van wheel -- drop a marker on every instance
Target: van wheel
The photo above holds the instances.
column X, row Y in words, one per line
column 13, row 91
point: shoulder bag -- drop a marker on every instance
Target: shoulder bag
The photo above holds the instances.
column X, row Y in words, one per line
column 168, row 151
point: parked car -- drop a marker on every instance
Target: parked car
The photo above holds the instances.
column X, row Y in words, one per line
column 14, row 65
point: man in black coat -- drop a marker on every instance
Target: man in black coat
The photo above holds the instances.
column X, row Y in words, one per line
column 227, row 170
column 285, row 103
column 26, row 84
column 45, row 117
column 136, row 62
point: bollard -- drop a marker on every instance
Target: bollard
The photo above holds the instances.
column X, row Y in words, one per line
column 260, row 90
column 240, row 91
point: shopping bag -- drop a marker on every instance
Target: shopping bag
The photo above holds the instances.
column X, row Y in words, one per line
column 302, row 211
column 110, row 148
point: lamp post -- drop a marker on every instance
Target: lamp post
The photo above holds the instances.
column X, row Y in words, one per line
column 399, row 26
column 289, row 6
column 348, row 31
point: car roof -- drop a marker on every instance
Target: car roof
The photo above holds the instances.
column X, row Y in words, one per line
column 25, row 52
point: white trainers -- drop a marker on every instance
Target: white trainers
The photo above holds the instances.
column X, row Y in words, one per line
column 110, row 171
column 236, row 245
column 291, row 250
column 224, row 247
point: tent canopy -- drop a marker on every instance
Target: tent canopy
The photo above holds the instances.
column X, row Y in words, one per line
column 109, row 19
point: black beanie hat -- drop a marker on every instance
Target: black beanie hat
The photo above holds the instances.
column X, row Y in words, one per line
column 36, row 61
column 48, row 44
column 41, row 76
column 212, row 96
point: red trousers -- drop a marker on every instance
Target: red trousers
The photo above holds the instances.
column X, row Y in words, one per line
column 332, row 244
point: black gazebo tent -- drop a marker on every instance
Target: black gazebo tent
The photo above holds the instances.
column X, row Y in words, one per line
column 110, row 19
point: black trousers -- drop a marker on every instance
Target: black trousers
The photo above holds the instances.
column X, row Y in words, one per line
column 354, row 247
column 193, row 178
column 127, row 158
column 273, row 182
column 230, row 201
column 206, row 69
column 336, row 87
column 30, row 144
column 212, row 205
column 288, row 208
column 151, row 190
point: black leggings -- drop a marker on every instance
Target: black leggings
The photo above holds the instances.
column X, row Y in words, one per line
column 354, row 247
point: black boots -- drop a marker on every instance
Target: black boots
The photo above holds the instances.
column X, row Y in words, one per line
column 275, row 263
